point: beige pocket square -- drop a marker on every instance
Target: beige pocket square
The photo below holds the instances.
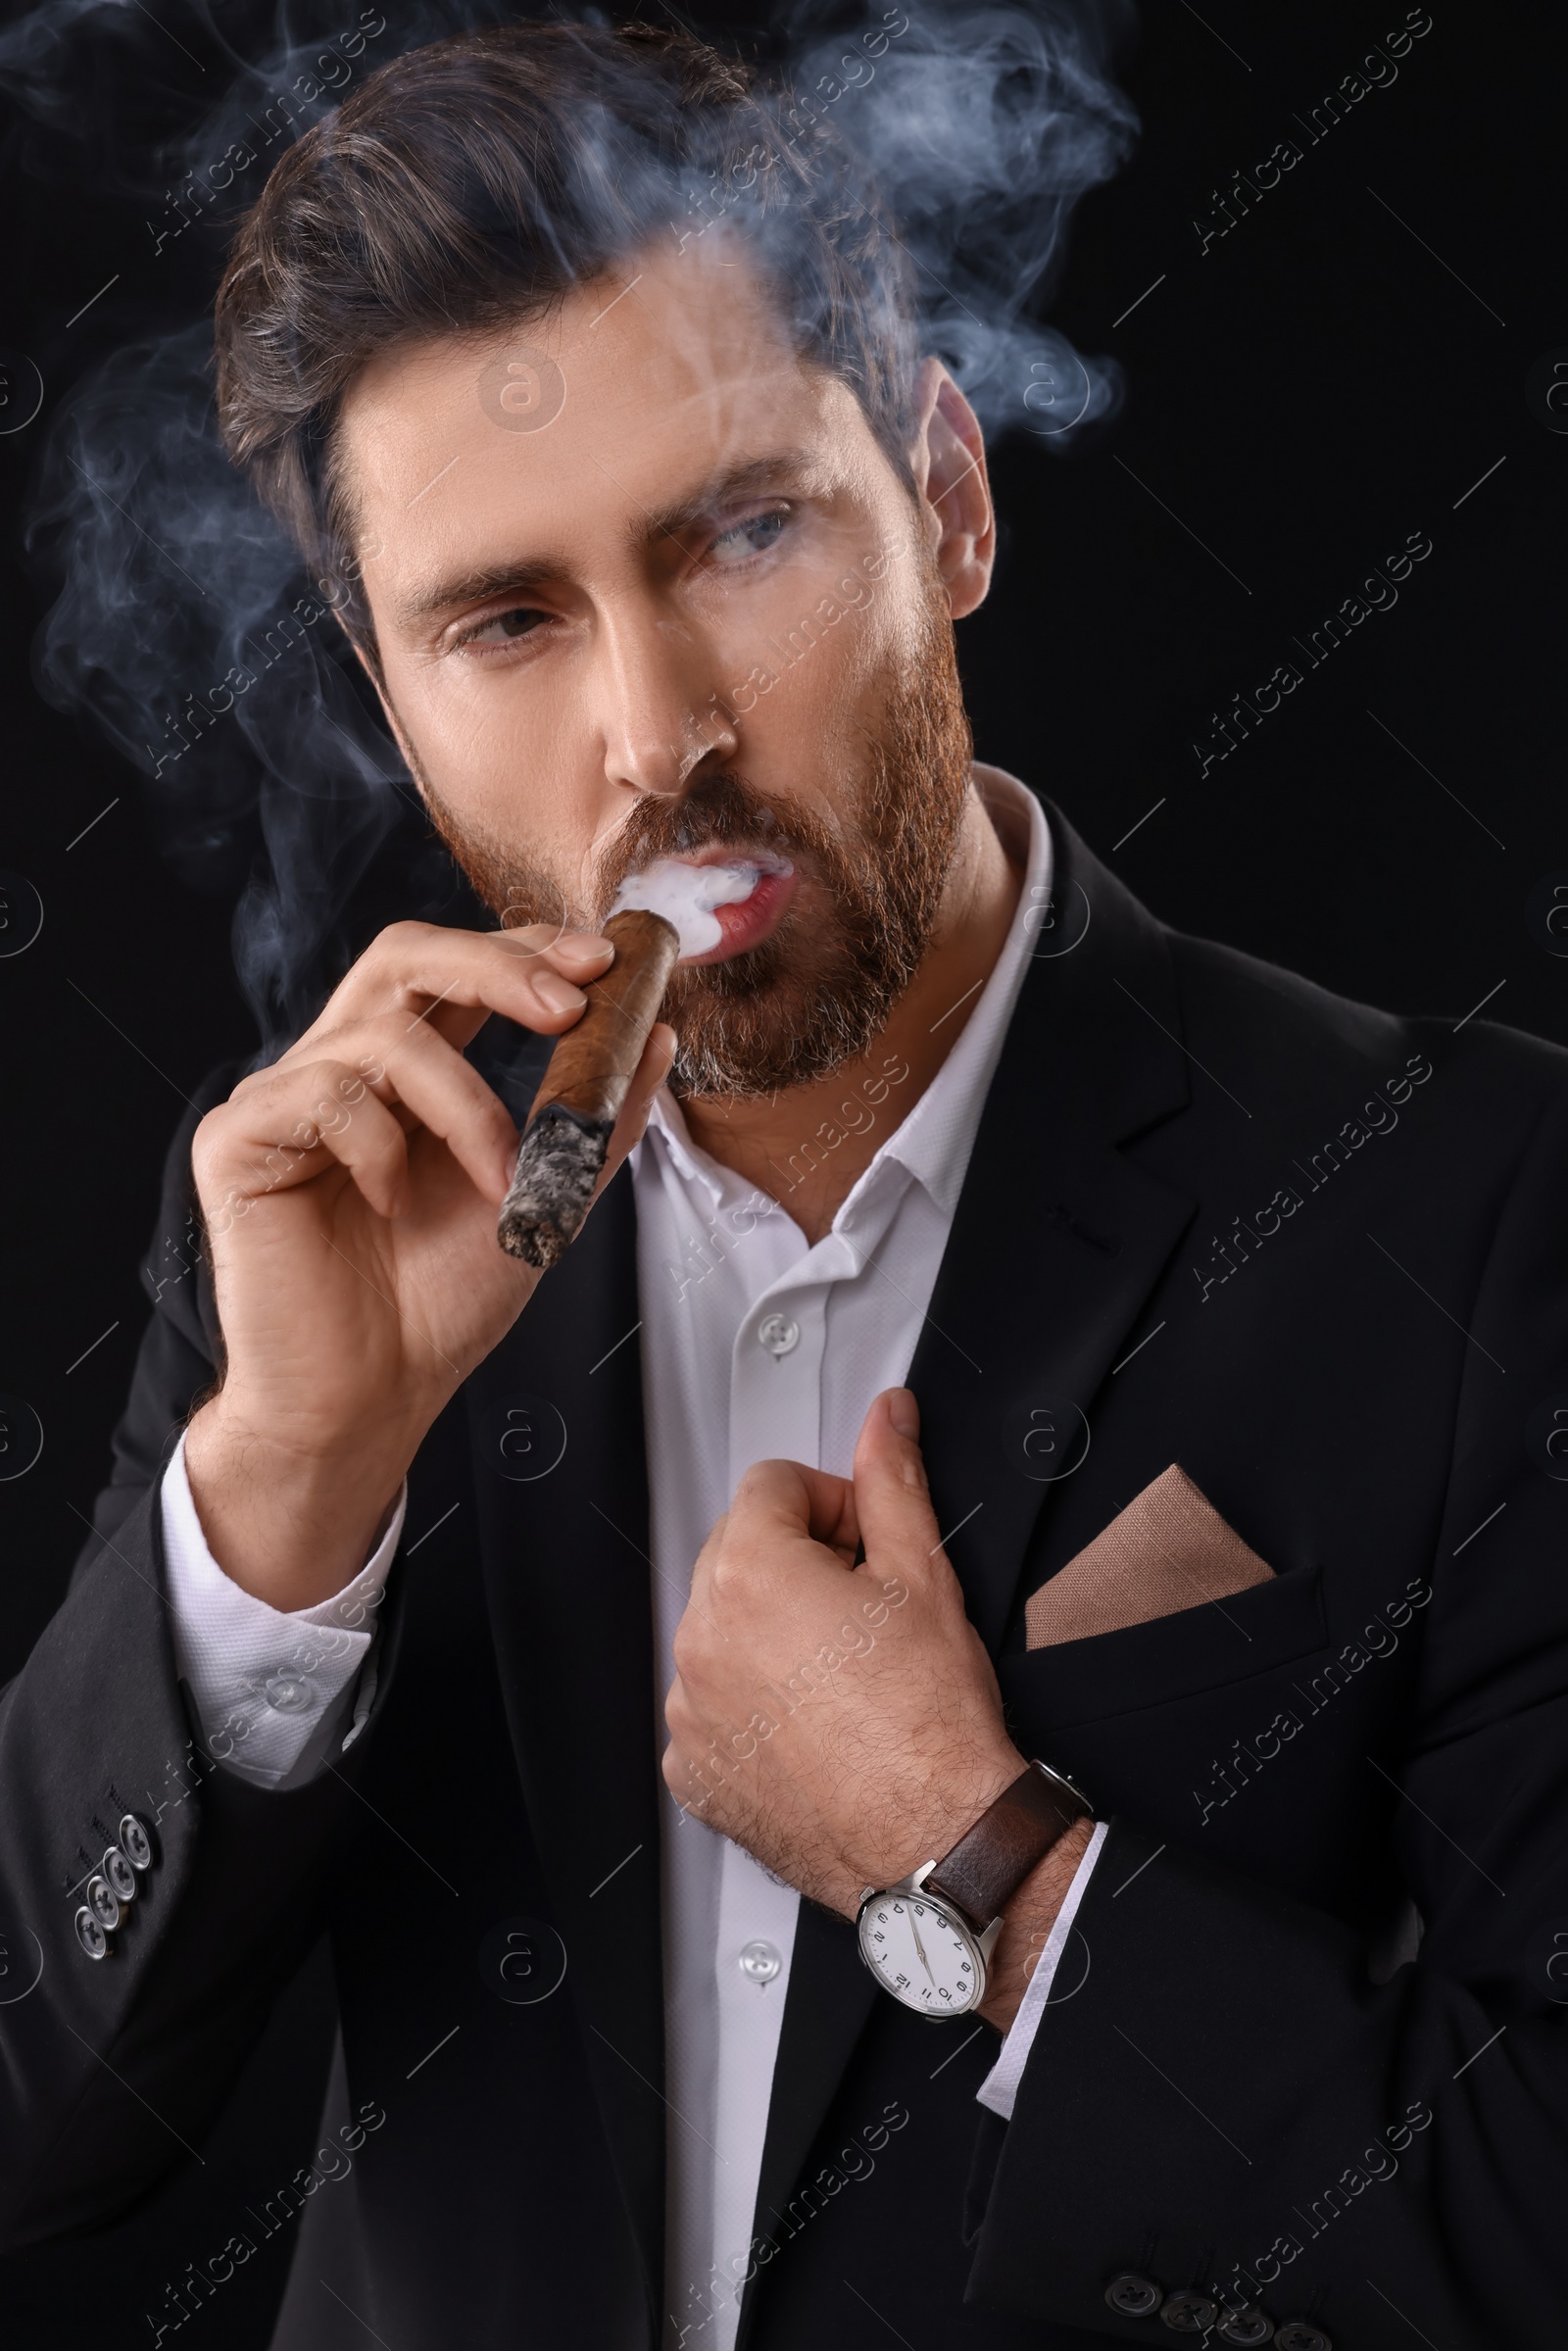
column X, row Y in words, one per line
column 1169, row 1550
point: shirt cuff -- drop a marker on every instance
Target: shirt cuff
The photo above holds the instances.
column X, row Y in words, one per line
column 263, row 1679
column 999, row 2087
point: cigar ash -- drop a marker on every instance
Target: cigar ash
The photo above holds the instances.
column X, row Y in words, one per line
column 558, row 1166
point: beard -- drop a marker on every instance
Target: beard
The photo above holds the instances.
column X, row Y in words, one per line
column 816, row 992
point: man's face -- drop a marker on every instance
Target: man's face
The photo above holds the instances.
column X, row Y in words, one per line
column 663, row 595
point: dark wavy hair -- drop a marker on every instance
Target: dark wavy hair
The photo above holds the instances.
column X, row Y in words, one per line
column 472, row 184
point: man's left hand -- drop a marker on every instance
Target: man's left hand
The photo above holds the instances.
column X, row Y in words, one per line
column 843, row 1723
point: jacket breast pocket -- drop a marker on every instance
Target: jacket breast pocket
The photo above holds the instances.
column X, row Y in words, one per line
column 1169, row 1660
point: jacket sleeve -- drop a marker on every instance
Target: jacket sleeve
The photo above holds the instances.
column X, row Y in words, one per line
column 111, row 2069
column 1231, row 2106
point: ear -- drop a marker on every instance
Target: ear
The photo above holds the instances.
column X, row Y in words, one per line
column 948, row 457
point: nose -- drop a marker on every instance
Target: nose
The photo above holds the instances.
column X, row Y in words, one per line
column 664, row 720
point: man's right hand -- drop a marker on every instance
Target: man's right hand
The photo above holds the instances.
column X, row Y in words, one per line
column 350, row 1194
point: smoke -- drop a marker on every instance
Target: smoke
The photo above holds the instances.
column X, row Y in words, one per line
column 184, row 627
column 983, row 126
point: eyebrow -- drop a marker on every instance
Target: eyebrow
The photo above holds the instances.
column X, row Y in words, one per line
column 725, row 486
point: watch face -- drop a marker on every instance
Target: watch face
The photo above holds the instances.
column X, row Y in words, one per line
column 921, row 1953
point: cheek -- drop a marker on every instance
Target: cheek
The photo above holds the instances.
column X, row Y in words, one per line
column 807, row 734
column 535, row 786
column 514, row 756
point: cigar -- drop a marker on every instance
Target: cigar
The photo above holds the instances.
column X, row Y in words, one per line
column 590, row 1073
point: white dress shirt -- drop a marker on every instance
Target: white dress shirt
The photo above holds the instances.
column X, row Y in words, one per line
column 756, row 1345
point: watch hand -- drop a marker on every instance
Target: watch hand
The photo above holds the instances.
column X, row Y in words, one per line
column 919, row 1947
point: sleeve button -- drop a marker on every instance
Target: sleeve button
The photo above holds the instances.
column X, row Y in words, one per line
column 91, row 1936
column 1133, row 2297
column 119, row 1874
column 1188, row 2313
column 103, row 1903
column 1246, row 2329
column 135, row 1843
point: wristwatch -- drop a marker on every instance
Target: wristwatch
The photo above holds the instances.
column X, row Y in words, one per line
column 928, row 1940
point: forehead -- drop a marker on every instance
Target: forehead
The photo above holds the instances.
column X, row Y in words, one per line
column 635, row 389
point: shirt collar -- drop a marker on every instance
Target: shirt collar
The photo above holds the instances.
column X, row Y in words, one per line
column 690, row 1162
column 933, row 1142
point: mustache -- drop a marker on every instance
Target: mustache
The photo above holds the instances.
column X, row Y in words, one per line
column 721, row 813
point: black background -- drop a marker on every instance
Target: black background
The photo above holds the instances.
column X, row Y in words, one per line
column 1305, row 395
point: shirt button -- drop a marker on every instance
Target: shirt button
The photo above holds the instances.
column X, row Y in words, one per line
column 760, row 1961
column 778, row 1334
column 289, row 1694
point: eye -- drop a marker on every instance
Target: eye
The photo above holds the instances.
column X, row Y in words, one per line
column 753, row 536
column 503, row 627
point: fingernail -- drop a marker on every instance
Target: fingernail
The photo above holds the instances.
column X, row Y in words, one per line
column 585, row 944
column 558, row 994
column 904, row 1412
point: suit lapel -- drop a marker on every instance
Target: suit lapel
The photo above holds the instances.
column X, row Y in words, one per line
column 1056, row 1243
column 565, row 1539
column 1059, row 1237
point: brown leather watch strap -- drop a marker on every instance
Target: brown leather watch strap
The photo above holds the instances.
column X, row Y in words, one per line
column 985, row 1868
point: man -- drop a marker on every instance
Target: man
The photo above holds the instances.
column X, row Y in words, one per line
column 1097, row 1351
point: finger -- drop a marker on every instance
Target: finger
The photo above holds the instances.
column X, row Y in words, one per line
column 784, row 1497
column 698, row 1594
column 773, row 1522
column 580, row 954
column 288, row 1132
column 684, row 1779
column 415, row 1080
column 447, row 1096
column 650, row 1074
column 424, row 1080
column 454, row 979
column 891, row 1492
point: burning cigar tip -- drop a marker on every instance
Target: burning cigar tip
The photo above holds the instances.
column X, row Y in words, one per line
column 558, row 1164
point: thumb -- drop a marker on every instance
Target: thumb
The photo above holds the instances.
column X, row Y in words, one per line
column 652, row 1071
column 892, row 1499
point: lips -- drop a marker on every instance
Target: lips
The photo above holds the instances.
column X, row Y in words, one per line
column 746, row 922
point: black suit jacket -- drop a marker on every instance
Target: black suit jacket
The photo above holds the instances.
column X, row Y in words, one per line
column 1317, row 1255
